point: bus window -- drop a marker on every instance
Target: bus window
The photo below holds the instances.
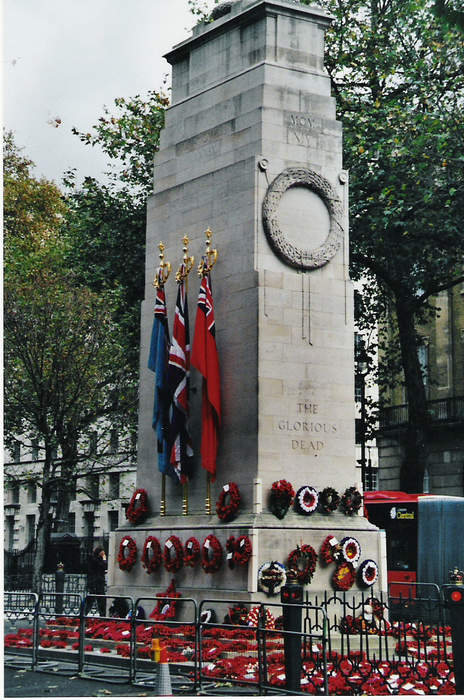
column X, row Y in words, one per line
column 402, row 547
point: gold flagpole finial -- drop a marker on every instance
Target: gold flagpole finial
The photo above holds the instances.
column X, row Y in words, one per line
column 164, row 269
column 209, row 259
column 187, row 262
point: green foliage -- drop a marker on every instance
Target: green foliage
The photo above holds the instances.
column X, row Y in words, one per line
column 130, row 138
column 106, row 222
column 66, row 370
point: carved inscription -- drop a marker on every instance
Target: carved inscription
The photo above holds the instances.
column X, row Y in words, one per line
column 308, row 432
column 302, row 128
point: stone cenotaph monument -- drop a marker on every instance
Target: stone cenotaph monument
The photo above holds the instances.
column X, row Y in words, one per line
column 252, row 150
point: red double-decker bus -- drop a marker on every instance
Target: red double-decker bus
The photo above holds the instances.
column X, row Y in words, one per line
column 424, row 533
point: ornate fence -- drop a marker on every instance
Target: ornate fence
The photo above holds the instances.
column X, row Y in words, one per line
column 349, row 645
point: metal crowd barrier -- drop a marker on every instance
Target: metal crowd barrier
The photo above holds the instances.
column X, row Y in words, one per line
column 19, row 608
column 59, row 612
column 110, row 668
column 145, row 674
column 262, row 634
column 323, row 640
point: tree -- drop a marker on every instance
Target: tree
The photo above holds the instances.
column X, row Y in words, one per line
column 397, row 74
column 65, row 369
column 105, row 219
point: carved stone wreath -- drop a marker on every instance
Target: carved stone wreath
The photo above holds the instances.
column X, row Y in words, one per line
column 289, row 253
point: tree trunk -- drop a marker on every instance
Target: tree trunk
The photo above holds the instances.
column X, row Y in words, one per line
column 415, row 445
column 65, row 482
column 43, row 537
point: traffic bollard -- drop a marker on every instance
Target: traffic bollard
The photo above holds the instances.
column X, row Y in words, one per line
column 59, row 588
column 292, row 594
column 453, row 596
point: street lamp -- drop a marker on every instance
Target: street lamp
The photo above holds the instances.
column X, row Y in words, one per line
column 362, row 360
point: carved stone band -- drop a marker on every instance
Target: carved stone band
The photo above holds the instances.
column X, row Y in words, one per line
column 289, row 253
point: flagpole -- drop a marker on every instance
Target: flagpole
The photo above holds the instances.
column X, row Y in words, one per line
column 208, row 495
column 161, row 278
column 163, row 495
column 182, row 276
column 204, row 268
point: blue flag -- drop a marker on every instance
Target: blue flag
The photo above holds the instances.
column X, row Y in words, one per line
column 158, row 363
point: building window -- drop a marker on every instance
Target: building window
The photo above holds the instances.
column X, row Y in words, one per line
column 114, row 441
column 32, row 493
column 35, row 452
column 423, row 354
column 113, row 491
column 89, row 522
column 358, row 380
column 9, row 532
column 16, row 451
column 72, row 522
column 14, row 494
column 93, row 486
column 113, row 520
column 30, row 525
column 93, row 443
column 72, row 489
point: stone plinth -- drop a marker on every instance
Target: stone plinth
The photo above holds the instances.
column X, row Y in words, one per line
column 252, row 149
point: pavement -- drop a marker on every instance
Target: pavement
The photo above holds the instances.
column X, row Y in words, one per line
column 33, row 684
column 39, row 684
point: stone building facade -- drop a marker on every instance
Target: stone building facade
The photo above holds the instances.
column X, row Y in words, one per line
column 442, row 358
column 97, row 508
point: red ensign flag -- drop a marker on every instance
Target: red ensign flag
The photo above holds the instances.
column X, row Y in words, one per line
column 205, row 359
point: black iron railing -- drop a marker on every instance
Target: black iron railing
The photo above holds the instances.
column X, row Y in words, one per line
column 440, row 410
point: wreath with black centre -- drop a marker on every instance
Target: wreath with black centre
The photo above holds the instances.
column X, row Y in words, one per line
column 228, row 501
column 305, row 555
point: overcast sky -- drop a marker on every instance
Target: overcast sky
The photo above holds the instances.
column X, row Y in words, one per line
column 67, row 58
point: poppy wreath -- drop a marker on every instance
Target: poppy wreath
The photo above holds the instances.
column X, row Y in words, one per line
column 236, row 615
column 243, row 550
column 191, row 552
column 309, row 556
column 329, row 500
column 127, row 561
column 330, row 551
column 253, row 618
column 368, row 573
column 230, row 492
column 151, row 555
column 343, row 576
column 351, row 501
column 271, row 577
column 281, row 498
column 165, row 609
column 306, row 500
column 138, row 507
column 177, row 561
column 230, row 549
column 213, row 564
column 350, row 549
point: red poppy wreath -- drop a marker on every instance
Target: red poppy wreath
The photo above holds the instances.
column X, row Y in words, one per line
column 173, row 545
column 211, row 554
column 191, row 552
column 137, row 509
column 228, row 501
column 151, row 555
column 127, row 555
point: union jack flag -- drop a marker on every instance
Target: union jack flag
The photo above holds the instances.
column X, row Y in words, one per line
column 180, row 444
column 158, row 363
column 205, row 359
